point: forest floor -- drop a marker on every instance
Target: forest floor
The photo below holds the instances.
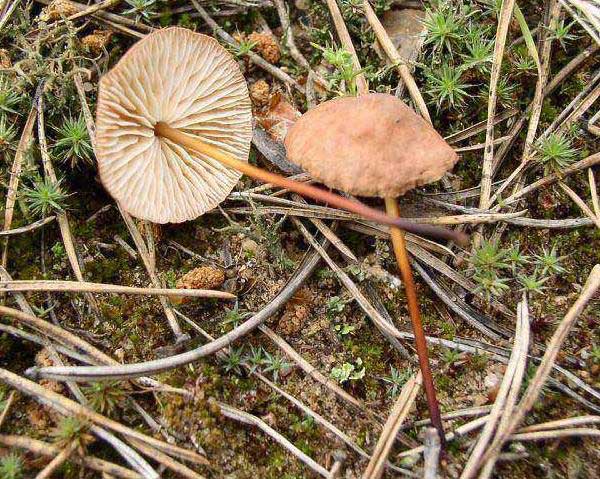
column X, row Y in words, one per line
column 310, row 390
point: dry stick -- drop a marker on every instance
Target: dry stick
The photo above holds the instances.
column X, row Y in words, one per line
column 253, row 57
column 68, row 407
column 594, row 192
column 479, row 127
column 554, row 177
column 15, row 172
column 579, row 202
column 106, row 16
column 31, row 227
column 93, row 9
column 562, row 423
column 505, row 17
column 543, row 371
column 504, row 402
column 392, row 53
column 431, row 454
column 7, row 405
column 392, row 426
column 180, row 469
column 75, row 286
column 328, row 233
column 288, row 37
column 58, row 460
column 115, row 371
column 63, row 220
column 50, row 450
column 193, row 143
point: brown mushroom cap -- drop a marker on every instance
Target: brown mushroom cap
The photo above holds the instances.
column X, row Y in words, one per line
column 371, row 145
column 192, row 83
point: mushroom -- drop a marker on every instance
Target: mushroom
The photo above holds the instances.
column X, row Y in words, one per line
column 374, row 145
column 174, row 126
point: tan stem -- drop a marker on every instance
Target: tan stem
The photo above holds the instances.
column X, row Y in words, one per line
column 401, row 254
column 194, row 143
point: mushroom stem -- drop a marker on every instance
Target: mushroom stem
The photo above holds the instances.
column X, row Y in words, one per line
column 401, row 254
column 194, row 143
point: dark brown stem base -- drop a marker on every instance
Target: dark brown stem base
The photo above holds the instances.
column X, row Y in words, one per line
column 401, row 254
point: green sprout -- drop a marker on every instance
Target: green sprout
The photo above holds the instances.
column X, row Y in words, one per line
column 105, row 396
column 555, row 152
column 562, row 33
column 532, row 283
column 490, row 284
column 348, row 372
column 479, row 55
column 9, row 99
column 71, row 429
column 396, row 380
column 335, row 305
column 243, row 47
column 11, row 466
column 549, row 261
column 233, row 360
column 141, row 9
column 8, row 134
column 516, row 258
column 489, row 258
column 45, row 196
column 445, row 87
column 595, row 354
column 344, row 73
column 444, row 27
column 275, row 364
column 522, row 61
column 73, row 143
column 344, row 329
column 255, row 358
column 233, row 317
column 505, row 92
column 450, row 356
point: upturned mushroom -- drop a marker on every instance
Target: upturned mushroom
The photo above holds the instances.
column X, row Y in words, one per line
column 375, row 145
column 174, row 126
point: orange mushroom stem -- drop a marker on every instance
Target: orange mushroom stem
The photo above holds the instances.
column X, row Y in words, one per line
column 194, row 143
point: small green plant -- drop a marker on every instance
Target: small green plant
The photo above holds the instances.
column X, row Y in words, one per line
column 349, row 372
column 233, row 360
column 549, row 261
column 71, row 429
column 490, row 285
column 275, row 365
column 73, row 142
column 9, row 99
column 396, row 380
column 445, row 87
column 243, row 47
column 595, row 354
column 562, row 33
column 344, row 329
column 345, row 73
column 335, row 305
column 45, row 196
column 516, row 258
column 141, row 9
column 522, row 61
column 8, row 134
column 444, row 27
column 450, row 356
column 505, row 92
column 488, row 258
column 555, row 152
column 105, row 396
column 233, row 317
column 11, row 466
column 254, row 358
column 532, row 283
column 479, row 54
column 58, row 250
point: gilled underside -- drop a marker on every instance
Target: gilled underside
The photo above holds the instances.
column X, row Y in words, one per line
column 190, row 82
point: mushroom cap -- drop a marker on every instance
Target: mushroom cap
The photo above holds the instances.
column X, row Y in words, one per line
column 192, row 83
column 371, row 145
